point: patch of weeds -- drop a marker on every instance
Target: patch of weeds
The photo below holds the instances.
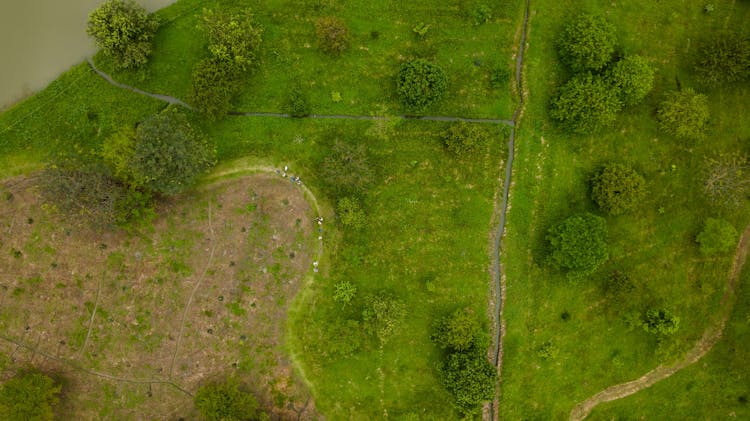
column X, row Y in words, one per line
column 208, row 313
column 16, row 253
column 565, row 315
column 251, row 207
column 18, row 291
column 548, row 351
column 34, row 280
column 236, row 309
column 482, row 14
column 421, row 29
column 499, row 76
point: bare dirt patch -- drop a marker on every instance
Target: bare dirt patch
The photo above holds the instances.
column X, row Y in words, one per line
column 136, row 322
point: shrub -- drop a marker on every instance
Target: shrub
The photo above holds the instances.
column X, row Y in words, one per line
column 123, row 30
column 724, row 58
column 470, row 378
column 233, row 39
column 619, row 284
column 684, row 114
column 297, row 103
column 548, row 350
column 333, row 35
column 460, row 331
column 343, row 338
column 382, row 315
column 727, row 180
column 117, row 152
column 463, row 138
column 420, row 83
column 718, row 236
column 344, row 292
column 346, row 170
column 586, row 104
column 633, row 78
column 227, row 402
column 29, row 396
column 660, row 322
column 617, row 188
column 169, row 155
column 350, row 213
column 214, row 86
column 499, row 76
column 587, row 43
column 579, row 243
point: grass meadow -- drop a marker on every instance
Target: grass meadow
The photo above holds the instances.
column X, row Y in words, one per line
column 655, row 244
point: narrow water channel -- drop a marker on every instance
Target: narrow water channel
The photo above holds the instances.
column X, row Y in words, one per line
column 39, row 39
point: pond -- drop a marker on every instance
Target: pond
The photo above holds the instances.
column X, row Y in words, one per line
column 43, row 38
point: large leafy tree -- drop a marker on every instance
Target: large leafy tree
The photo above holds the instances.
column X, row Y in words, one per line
column 420, row 83
column 587, row 43
column 617, row 188
column 579, row 243
column 586, row 104
column 460, row 331
column 123, row 30
column 471, row 379
column 724, row 58
column 227, row 401
column 633, row 77
column 29, row 396
column 684, row 114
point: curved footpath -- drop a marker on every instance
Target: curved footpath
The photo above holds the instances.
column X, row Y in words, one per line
column 710, row 337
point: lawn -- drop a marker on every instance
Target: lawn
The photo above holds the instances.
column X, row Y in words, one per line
column 655, row 244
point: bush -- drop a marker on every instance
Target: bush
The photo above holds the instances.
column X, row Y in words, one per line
column 579, row 243
column 227, row 402
column 619, row 284
column 617, row 188
column 344, row 292
column 333, row 35
column 420, row 84
column 350, row 213
column 169, row 155
column 660, row 322
column 463, row 138
column 718, row 236
column 123, row 30
column 346, row 170
column 587, row 43
column 214, row 86
column 233, row 39
column 586, row 104
column 297, row 103
column 460, row 331
column 633, row 78
column 724, row 58
column 499, row 76
column 727, row 179
column 684, row 114
column 382, row 315
column 29, row 396
column 470, row 378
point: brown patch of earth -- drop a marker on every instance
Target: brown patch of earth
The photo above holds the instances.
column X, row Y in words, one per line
column 136, row 322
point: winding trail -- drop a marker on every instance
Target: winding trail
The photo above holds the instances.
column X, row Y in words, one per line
column 710, row 337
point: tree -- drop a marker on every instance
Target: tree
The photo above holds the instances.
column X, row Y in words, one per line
column 462, row 138
column 123, row 30
column 350, row 213
column 420, row 84
column 718, row 236
column 579, row 243
column 727, row 180
column 585, row 104
column 460, row 331
column 346, row 170
column 227, row 401
column 233, row 39
column 617, row 188
column 29, row 396
column 214, row 86
column 169, row 155
column 684, row 114
column 587, row 43
column 660, row 321
column 333, row 35
column 724, row 58
column 470, row 378
column 297, row 102
column 633, row 78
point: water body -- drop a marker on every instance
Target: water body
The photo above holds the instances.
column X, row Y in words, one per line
column 39, row 39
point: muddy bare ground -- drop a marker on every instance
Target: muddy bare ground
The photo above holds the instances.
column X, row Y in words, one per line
column 134, row 323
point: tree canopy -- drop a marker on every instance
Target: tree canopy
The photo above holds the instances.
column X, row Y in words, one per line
column 459, row 331
column 226, row 401
column 587, row 43
column 29, row 396
column 420, row 84
column 684, row 114
column 471, row 379
column 724, row 58
column 617, row 188
column 633, row 77
column 579, row 243
column 585, row 104
column 123, row 30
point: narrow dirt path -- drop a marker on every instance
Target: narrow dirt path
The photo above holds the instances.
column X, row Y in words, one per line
column 705, row 343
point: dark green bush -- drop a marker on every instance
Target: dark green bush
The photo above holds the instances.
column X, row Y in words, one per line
column 346, row 171
column 214, row 86
column 633, row 78
column 587, row 43
column 460, row 331
column 470, row 378
column 297, row 102
column 227, row 401
column 333, row 35
column 585, row 104
column 724, row 58
column 30, row 396
column 499, row 76
column 420, row 84
column 579, row 243
column 617, row 188
column 718, row 236
column 123, row 30
column 684, row 114
column 660, row 322
column 233, row 38
column 464, row 138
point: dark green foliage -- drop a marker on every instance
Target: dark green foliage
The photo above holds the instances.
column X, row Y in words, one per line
column 587, row 43
column 29, row 396
column 233, row 39
column 585, row 104
column 297, row 102
column 460, row 331
column 333, row 35
column 499, row 76
column 660, row 322
column 718, row 236
column 619, row 284
column 579, row 243
column 633, row 77
column 471, row 379
column 344, row 292
column 344, row 338
column 727, row 181
column 482, row 14
column 724, row 58
column 214, row 86
column 123, row 30
column 350, row 213
column 169, row 155
column 463, row 138
column 346, row 170
column 684, row 114
column 617, row 188
column 227, row 401
column 382, row 315
column 420, row 83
